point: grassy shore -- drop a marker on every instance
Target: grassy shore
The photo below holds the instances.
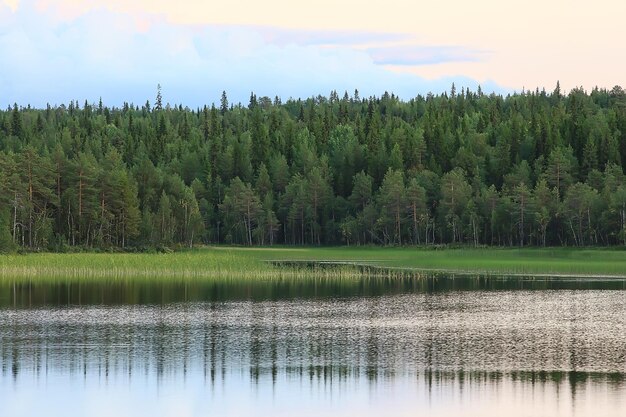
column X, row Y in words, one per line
column 265, row 263
column 204, row 264
column 527, row 261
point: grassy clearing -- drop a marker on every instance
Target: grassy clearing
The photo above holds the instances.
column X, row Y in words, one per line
column 530, row 261
column 253, row 263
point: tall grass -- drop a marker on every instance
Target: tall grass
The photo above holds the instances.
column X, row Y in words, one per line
column 265, row 263
column 206, row 264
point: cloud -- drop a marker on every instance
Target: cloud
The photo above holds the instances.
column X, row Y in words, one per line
column 555, row 40
column 122, row 57
column 424, row 55
column 11, row 4
column 282, row 36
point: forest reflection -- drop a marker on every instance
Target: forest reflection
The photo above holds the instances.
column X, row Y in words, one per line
column 530, row 344
column 20, row 294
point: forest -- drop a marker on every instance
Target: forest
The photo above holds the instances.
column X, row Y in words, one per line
column 534, row 168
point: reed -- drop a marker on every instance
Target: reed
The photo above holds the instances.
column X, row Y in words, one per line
column 228, row 263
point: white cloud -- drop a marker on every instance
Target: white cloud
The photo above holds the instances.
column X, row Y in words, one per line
column 530, row 43
column 122, row 57
column 12, row 4
column 409, row 54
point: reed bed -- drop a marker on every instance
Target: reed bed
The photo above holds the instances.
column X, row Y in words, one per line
column 205, row 265
column 227, row 263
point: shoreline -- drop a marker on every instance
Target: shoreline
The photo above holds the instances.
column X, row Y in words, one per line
column 211, row 263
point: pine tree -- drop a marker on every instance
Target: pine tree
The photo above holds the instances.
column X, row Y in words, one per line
column 158, row 103
column 392, row 198
column 416, row 199
column 455, row 194
column 224, row 103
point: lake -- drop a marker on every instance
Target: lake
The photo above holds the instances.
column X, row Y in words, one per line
column 440, row 346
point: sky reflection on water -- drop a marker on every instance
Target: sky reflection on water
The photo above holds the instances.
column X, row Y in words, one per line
column 469, row 353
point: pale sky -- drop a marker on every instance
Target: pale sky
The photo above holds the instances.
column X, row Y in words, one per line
column 54, row 51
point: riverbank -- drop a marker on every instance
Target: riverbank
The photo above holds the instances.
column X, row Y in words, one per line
column 341, row 262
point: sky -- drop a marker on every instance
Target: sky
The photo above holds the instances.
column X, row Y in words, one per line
column 54, row 51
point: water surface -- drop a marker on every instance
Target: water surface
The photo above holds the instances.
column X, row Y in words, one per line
column 442, row 347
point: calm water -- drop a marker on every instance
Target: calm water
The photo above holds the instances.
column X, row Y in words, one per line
column 438, row 347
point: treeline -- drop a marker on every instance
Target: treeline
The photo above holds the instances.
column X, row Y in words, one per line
column 534, row 168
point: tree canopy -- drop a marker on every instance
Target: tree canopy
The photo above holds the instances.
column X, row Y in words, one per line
column 532, row 168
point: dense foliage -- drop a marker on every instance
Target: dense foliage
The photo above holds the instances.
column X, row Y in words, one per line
column 534, row 168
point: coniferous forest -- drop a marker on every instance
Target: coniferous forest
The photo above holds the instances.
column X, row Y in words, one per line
column 535, row 168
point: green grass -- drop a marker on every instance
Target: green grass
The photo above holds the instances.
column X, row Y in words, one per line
column 205, row 264
column 557, row 261
column 253, row 263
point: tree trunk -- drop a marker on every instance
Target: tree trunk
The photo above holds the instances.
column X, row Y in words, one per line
column 30, row 206
column 522, row 222
column 302, row 226
column 624, row 221
column 573, row 233
column 581, row 240
column 249, row 224
column 415, row 234
column 398, row 224
column 15, row 218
